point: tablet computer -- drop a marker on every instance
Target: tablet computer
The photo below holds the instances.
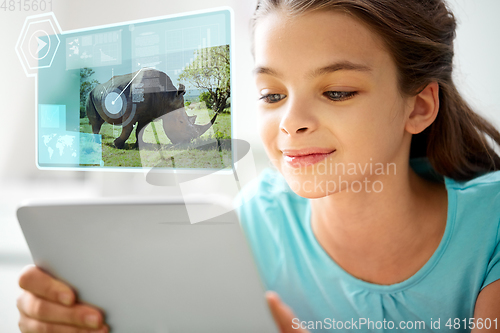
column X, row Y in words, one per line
column 148, row 267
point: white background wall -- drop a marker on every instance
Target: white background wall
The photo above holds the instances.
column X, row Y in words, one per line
column 477, row 74
column 477, row 48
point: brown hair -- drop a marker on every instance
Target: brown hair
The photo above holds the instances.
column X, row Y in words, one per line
column 419, row 35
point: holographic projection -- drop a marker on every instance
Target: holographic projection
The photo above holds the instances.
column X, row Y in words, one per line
column 154, row 93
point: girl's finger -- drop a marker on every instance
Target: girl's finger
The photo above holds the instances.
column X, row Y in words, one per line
column 30, row 325
column 48, row 312
column 34, row 280
column 282, row 314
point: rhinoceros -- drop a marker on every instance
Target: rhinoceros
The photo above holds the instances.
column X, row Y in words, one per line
column 142, row 97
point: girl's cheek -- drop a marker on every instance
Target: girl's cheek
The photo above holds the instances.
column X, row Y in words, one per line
column 265, row 135
column 264, row 127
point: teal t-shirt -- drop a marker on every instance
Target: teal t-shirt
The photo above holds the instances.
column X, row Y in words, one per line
column 326, row 298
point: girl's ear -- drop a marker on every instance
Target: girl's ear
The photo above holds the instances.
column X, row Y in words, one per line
column 425, row 107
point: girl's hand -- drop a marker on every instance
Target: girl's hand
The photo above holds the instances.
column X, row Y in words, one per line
column 48, row 305
column 282, row 314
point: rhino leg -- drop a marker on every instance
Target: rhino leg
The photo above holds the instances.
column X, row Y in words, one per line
column 96, row 125
column 120, row 141
column 139, row 134
column 95, row 119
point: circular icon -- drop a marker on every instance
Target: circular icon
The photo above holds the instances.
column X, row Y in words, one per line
column 114, row 104
column 39, row 44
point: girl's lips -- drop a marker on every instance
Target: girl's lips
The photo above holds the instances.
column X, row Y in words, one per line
column 302, row 159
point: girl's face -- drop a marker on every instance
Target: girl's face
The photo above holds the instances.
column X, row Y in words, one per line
column 330, row 110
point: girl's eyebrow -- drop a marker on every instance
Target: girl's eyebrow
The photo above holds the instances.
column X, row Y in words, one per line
column 337, row 66
column 265, row 70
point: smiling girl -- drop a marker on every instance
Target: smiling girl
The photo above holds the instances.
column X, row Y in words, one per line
column 384, row 211
column 345, row 85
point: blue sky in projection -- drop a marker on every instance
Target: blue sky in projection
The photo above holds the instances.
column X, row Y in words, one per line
column 167, row 45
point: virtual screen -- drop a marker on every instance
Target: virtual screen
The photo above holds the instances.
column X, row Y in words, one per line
column 153, row 93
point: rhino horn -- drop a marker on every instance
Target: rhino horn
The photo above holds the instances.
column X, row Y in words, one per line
column 192, row 119
column 179, row 128
column 203, row 128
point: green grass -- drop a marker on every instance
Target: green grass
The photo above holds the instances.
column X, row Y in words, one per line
column 156, row 154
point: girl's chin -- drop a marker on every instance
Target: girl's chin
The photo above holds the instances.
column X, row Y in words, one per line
column 311, row 187
column 310, row 195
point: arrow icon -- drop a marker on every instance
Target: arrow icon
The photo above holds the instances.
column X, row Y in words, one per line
column 41, row 45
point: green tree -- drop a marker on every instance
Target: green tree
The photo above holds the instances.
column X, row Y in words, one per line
column 210, row 71
column 206, row 97
column 86, row 86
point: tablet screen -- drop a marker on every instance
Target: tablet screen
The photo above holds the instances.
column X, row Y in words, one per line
column 142, row 94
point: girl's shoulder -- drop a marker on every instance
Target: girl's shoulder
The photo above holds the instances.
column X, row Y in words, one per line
column 490, row 179
column 476, row 217
column 475, row 206
column 484, row 187
column 265, row 206
column 269, row 189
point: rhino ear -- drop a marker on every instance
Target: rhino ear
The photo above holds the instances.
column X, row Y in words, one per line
column 182, row 90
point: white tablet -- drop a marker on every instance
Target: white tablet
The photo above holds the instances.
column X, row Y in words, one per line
column 147, row 267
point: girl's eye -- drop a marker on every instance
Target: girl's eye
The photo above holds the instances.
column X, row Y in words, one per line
column 338, row 96
column 272, row 98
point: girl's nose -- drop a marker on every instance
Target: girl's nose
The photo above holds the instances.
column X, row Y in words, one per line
column 303, row 129
column 297, row 118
